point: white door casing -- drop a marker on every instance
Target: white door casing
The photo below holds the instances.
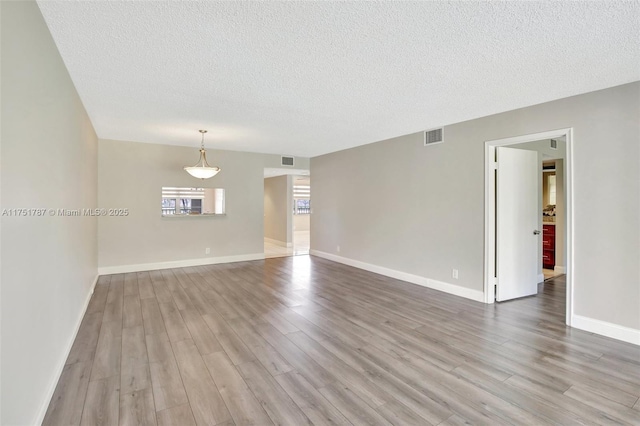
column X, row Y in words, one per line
column 490, row 211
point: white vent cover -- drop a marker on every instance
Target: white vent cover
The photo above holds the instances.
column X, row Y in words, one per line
column 554, row 144
column 287, row 161
column 434, row 136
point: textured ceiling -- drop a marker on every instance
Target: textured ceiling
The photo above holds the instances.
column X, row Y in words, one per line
column 308, row 78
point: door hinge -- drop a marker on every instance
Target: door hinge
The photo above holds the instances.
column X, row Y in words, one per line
column 494, row 165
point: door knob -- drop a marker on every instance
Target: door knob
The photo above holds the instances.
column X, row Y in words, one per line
column 536, row 232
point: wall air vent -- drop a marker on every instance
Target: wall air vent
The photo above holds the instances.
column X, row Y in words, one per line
column 433, row 136
column 554, row 144
column 287, row 161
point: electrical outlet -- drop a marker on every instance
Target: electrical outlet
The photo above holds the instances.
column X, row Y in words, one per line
column 338, row 249
column 454, row 274
column 207, row 251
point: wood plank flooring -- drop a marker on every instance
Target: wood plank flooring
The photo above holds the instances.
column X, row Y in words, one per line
column 302, row 340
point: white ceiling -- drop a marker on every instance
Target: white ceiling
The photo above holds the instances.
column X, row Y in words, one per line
column 308, row 78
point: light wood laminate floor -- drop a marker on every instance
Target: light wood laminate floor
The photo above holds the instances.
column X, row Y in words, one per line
column 302, row 340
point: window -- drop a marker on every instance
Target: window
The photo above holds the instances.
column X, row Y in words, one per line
column 552, row 189
column 185, row 206
column 168, row 206
column 301, row 191
column 301, row 206
column 302, row 198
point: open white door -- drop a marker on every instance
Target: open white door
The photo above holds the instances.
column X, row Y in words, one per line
column 517, row 230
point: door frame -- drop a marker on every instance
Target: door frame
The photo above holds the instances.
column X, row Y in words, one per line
column 490, row 210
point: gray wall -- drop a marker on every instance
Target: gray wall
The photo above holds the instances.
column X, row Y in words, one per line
column 49, row 159
column 131, row 176
column 416, row 209
column 278, row 205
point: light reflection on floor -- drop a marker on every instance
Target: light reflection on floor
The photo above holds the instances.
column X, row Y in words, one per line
column 302, row 270
column 301, row 242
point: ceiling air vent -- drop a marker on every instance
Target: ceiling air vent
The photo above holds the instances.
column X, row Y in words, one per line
column 554, row 144
column 434, row 136
column 287, row 161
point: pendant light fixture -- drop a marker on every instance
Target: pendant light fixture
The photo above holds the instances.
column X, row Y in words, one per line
column 202, row 169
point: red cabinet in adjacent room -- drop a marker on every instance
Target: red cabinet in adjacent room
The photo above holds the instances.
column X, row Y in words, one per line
column 548, row 246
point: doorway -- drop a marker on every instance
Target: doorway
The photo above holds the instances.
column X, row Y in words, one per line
column 287, row 209
column 496, row 273
column 553, row 212
column 301, row 214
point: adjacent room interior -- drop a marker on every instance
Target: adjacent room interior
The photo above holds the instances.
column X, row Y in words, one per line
column 165, row 261
column 287, row 212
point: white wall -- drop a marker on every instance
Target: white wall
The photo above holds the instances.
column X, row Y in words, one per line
column 561, row 217
column 420, row 210
column 131, row 176
column 49, row 263
column 278, row 206
column 301, row 222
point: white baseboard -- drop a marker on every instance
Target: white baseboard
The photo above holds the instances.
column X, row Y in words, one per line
column 615, row 331
column 540, row 278
column 278, row 243
column 56, row 378
column 559, row 269
column 121, row 269
column 456, row 290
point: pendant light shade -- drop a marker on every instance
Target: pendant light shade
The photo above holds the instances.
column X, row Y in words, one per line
column 202, row 169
